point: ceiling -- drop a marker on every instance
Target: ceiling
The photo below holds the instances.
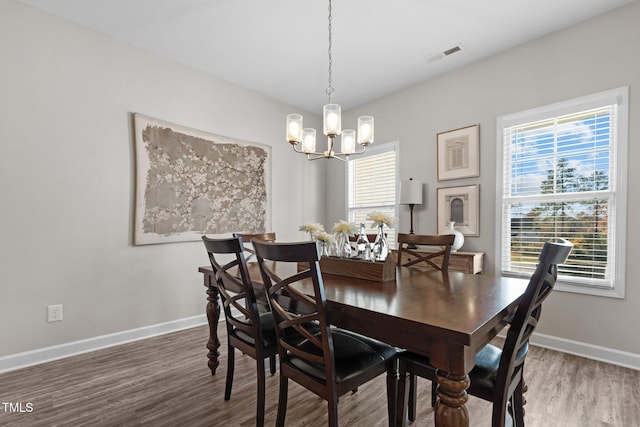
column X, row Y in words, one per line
column 280, row 47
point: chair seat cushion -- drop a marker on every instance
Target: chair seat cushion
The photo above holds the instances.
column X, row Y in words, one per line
column 485, row 372
column 268, row 332
column 354, row 354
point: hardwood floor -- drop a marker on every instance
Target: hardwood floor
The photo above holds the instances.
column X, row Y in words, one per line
column 164, row 381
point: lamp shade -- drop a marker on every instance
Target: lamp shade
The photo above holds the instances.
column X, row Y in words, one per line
column 410, row 192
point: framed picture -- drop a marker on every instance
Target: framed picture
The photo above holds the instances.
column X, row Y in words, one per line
column 190, row 183
column 460, row 205
column 459, row 153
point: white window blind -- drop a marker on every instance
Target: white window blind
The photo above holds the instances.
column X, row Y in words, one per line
column 560, row 179
column 372, row 181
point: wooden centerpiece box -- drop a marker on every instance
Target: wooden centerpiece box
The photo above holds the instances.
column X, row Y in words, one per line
column 379, row 271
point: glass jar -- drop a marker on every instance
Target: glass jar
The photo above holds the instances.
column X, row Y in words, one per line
column 363, row 249
column 380, row 246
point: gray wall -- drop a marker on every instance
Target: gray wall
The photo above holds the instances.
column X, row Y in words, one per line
column 593, row 56
column 67, row 179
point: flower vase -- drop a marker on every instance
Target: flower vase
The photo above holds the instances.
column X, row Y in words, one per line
column 344, row 246
column 324, row 250
column 459, row 237
column 380, row 246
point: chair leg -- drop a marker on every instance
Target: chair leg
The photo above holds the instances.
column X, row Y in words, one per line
column 392, row 392
column 282, row 400
column 413, row 390
column 401, row 398
column 272, row 364
column 332, row 404
column 434, row 393
column 230, row 367
column 517, row 406
column 261, row 393
column 499, row 414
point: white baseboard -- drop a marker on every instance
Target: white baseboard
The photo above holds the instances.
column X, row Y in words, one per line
column 48, row 354
column 589, row 351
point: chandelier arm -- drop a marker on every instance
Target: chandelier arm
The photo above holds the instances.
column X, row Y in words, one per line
column 364, row 148
column 304, row 152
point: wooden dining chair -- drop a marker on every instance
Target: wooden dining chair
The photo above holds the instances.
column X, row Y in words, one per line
column 442, row 241
column 436, row 260
column 327, row 361
column 249, row 329
column 498, row 373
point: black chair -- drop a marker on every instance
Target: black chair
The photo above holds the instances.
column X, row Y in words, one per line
column 442, row 241
column 498, row 373
column 249, row 329
column 327, row 361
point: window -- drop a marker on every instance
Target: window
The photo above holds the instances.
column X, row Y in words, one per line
column 372, row 181
column 562, row 173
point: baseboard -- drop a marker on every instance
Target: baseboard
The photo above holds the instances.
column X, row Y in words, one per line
column 48, row 354
column 589, row 351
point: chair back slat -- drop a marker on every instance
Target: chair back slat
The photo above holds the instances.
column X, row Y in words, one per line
column 443, row 241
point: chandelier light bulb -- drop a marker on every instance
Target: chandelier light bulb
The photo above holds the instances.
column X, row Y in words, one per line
column 294, row 128
column 348, row 145
column 308, row 140
column 365, row 130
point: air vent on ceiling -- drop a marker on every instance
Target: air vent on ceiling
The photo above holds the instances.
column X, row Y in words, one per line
column 447, row 52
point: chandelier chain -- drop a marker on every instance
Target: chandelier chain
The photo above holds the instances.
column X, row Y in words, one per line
column 330, row 87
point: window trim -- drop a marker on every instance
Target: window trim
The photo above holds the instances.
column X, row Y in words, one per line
column 619, row 96
column 373, row 150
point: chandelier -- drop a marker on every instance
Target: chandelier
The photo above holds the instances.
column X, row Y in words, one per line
column 303, row 140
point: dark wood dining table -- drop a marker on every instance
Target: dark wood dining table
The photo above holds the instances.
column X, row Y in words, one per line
column 448, row 316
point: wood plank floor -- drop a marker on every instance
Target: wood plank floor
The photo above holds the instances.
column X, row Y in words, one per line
column 164, row 381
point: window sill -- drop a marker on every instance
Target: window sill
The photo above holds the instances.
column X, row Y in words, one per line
column 588, row 290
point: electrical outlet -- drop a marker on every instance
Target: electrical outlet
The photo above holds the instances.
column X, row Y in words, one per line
column 54, row 313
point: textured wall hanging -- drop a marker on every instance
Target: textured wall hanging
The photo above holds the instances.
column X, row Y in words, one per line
column 190, row 183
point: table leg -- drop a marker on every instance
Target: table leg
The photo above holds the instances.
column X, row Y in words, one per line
column 213, row 314
column 452, row 396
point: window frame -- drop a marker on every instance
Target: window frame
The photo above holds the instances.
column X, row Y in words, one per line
column 373, row 150
column 618, row 200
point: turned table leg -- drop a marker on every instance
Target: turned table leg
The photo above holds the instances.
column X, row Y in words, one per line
column 213, row 314
column 452, row 396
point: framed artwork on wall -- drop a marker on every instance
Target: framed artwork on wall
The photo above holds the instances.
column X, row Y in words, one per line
column 460, row 205
column 459, row 153
column 190, row 183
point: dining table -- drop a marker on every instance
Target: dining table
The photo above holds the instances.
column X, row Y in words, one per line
column 445, row 315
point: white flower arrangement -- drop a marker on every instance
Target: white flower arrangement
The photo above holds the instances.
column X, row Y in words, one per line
column 344, row 227
column 312, row 228
column 324, row 237
column 380, row 218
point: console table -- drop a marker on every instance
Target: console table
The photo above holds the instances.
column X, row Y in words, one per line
column 466, row 262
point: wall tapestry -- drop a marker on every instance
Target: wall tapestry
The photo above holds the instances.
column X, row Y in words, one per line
column 190, row 183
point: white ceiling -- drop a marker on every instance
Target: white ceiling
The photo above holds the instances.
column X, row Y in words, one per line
column 279, row 47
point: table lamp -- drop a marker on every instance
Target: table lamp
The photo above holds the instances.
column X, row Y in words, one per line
column 411, row 194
